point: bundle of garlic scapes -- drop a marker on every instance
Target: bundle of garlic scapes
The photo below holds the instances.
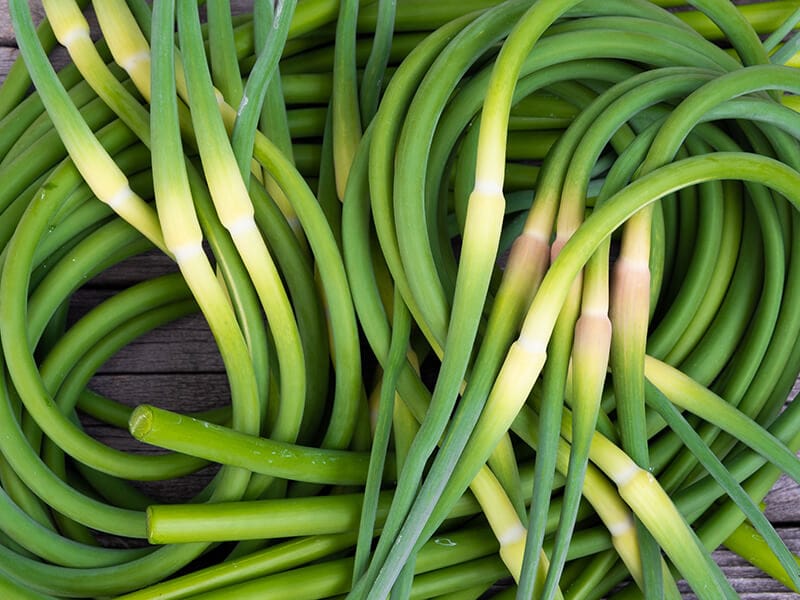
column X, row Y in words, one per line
column 505, row 291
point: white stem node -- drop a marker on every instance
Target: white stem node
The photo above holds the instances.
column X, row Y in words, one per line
column 119, row 199
column 134, row 61
column 241, row 226
column 512, row 535
column 625, row 476
column 531, row 345
column 186, row 252
column 621, row 528
column 488, row 187
column 74, row 35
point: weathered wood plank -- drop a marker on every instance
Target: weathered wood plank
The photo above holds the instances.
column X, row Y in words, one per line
column 6, row 30
column 7, row 57
column 184, row 346
column 137, row 268
column 748, row 581
column 783, row 502
column 189, row 391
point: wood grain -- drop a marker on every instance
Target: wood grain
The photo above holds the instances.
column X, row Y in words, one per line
column 178, row 366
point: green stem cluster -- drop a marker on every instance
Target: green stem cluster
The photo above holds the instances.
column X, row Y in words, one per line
column 500, row 288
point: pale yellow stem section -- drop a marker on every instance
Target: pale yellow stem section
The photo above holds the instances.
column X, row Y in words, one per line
column 792, row 102
column 641, row 491
column 601, row 494
column 503, row 519
column 132, row 52
column 104, row 177
column 616, row 517
column 506, row 525
column 590, row 351
column 527, row 264
column 235, row 211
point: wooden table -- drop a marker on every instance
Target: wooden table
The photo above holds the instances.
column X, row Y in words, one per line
column 178, row 366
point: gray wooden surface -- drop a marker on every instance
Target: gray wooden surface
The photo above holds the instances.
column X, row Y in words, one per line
column 178, row 365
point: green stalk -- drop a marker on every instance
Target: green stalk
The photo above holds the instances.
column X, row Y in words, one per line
column 781, row 31
column 17, row 80
column 263, row 99
column 347, row 126
column 283, row 517
column 21, row 360
column 492, row 499
column 130, row 111
column 235, row 211
column 398, row 347
column 347, row 390
column 261, row 455
column 16, row 590
column 68, row 19
column 605, row 501
column 763, row 17
column 257, row 87
column 100, row 171
column 375, row 69
column 686, row 393
column 458, row 344
column 224, row 66
column 736, row 28
column 475, row 265
column 273, row 113
column 712, row 464
column 54, row 369
column 381, row 172
column 718, row 282
column 184, row 237
column 589, row 362
column 282, row 556
column 553, row 389
column 29, row 122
